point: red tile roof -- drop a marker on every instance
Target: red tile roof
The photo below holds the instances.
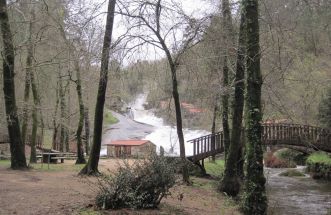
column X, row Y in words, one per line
column 127, row 142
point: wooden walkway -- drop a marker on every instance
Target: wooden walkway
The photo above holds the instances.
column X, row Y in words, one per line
column 295, row 135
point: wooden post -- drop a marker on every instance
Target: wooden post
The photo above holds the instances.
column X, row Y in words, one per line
column 194, row 149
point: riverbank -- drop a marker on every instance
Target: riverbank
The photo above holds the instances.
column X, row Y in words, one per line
column 319, row 165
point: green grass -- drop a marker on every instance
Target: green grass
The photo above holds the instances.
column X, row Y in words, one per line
column 108, row 118
column 5, row 163
column 214, row 168
column 45, row 167
column 292, row 173
column 319, row 157
column 57, row 167
column 89, row 211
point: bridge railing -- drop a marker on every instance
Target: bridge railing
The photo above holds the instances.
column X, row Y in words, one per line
column 296, row 134
column 208, row 145
column 272, row 134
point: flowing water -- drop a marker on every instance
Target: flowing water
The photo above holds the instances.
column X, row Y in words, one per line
column 163, row 135
column 297, row 195
column 286, row 195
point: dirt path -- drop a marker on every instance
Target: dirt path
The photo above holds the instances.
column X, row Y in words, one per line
column 34, row 192
column 63, row 192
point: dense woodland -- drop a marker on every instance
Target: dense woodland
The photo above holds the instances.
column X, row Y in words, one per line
column 295, row 38
column 273, row 54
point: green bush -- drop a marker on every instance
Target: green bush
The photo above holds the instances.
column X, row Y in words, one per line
column 141, row 185
column 291, row 155
column 319, row 165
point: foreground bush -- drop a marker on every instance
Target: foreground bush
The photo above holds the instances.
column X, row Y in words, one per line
column 141, row 185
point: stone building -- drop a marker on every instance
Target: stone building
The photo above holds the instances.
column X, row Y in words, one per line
column 130, row 148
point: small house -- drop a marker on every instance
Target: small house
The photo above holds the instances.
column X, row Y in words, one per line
column 130, row 148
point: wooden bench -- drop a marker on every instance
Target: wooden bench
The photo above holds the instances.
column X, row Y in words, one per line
column 53, row 157
column 63, row 156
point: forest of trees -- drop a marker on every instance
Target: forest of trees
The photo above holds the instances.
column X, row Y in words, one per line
column 245, row 62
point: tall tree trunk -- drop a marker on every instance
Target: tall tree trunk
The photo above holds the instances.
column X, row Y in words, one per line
column 230, row 181
column 92, row 165
column 36, row 100
column 255, row 199
column 26, row 97
column 175, row 94
column 29, row 59
column 179, row 121
column 225, row 108
column 80, row 151
column 213, row 128
column 227, row 41
column 87, row 130
column 33, row 155
column 55, row 126
column 18, row 160
column 62, row 114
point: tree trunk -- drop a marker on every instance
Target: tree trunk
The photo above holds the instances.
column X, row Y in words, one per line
column 55, row 126
column 26, row 97
column 36, row 100
column 18, row 160
column 175, row 94
column 33, row 155
column 230, row 182
column 62, row 114
column 255, row 199
column 225, row 109
column 213, row 129
column 80, row 151
column 87, row 131
column 91, row 167
column 228, row 42
column 179, row 124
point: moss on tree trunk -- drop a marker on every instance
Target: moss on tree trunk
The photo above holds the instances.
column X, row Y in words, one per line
column 230, row 182
column 255, row 199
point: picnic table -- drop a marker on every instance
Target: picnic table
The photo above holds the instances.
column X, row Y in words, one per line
column 53, row 157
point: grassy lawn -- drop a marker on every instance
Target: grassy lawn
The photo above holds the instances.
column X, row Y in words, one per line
column 214, row 168
column 319, row 157
column 108, row 118
column 50, row 167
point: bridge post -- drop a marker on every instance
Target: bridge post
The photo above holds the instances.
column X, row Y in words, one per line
column 194, row 147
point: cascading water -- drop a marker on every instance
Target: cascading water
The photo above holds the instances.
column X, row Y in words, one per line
column 163, row 135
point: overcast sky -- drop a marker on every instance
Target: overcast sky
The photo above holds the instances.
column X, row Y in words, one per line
column 195, row 8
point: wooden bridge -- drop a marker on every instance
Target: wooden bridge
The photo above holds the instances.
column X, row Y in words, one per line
column 287, row 135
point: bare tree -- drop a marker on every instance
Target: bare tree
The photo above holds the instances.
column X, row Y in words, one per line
column 230, row 181
column 16, row 146
column 148, row 20
column 91, row 167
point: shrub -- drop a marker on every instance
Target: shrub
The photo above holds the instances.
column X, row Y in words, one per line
column 291, row 155
column 272, row 161
column 319, row 165
column 141, row 185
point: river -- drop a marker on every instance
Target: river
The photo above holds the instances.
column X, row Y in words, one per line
column 286, row 195
column 297, row 195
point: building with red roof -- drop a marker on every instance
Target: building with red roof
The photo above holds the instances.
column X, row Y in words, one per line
column 130, row 148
